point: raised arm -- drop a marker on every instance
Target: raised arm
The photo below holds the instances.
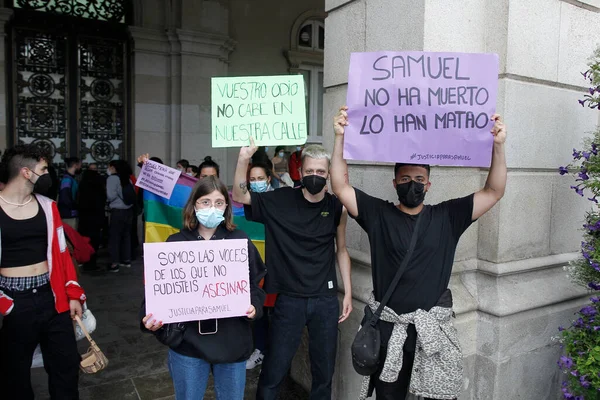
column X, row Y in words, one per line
column 240, row 186
column 339, row 169
column 142, row 159
column 344, row 263
column 495, row 184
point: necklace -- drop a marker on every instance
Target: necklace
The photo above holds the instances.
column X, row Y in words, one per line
column 17, row 204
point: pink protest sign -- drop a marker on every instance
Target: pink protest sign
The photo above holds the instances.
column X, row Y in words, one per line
column 421, row 107
column 158, row 179
column 197, row 280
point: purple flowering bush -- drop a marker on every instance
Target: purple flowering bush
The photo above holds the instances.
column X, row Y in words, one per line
column 581, row 362
column 581, row 340
column 592, row 75
column 585, row 168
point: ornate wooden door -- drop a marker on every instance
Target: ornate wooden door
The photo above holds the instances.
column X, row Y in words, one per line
column 69, row 71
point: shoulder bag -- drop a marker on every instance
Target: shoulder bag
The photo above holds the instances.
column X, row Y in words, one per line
column 93, row 360
column 367, row 343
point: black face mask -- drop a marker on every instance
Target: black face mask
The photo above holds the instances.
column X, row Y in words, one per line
column 411, row 194
column 314, row 183
column 42, row 185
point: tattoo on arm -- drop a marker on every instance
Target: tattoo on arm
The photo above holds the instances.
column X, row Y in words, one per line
column 244, row 187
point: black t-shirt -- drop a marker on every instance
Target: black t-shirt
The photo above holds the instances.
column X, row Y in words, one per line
column 428, row 272
column 299, row 241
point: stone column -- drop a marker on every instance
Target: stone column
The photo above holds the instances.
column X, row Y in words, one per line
column 509, row 288
column 173, row 67
column 152, row 85
column 203, row 55
column 5, row 16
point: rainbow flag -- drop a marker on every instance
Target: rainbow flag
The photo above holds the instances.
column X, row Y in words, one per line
column 164, row 217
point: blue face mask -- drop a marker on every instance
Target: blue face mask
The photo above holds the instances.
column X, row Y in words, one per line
column 210, row 217
column 259, row 186
column 266, row 148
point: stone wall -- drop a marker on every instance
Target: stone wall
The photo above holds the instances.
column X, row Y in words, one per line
column 179, row 46
column 510, row 291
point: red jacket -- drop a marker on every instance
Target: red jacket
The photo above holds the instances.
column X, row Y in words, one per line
column 82, row 249
column 63, row 278
column 294, row 166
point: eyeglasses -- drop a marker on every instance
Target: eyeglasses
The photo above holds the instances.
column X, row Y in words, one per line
column 207, row 203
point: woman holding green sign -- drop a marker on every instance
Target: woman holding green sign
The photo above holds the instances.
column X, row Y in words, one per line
column 218, row 345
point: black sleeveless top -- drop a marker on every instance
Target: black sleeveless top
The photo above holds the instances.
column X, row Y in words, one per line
column 23, row 241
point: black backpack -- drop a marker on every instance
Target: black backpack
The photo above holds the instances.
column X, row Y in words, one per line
column 129, row 195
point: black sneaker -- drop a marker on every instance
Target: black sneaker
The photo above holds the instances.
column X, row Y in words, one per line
column 113, row 268
column 125, row 265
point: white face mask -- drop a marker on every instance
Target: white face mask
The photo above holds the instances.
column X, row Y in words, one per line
column 281, row 154
column 210, row 217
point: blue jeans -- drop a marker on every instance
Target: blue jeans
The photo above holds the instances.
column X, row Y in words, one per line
column 290, row 316
column 190, row 378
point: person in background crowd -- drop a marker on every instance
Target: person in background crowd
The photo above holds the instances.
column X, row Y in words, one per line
column 183, row 165
column 92, row 202
column 135, row 240
column 53, row 191
column 259, row 181
column 208, row 168
column 280, row 167
column 295, row 165
column 424, row 284
column 121, row 215
column 302, row 227
column 39, row 293
column 67, row 196
column 222, row 345
column 260, row 156
column 192, row 170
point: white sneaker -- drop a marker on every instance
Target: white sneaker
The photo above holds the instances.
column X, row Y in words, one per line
column 255, row 359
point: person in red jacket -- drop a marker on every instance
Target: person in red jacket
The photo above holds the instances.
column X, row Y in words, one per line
column 39, row 293
column 295, row 165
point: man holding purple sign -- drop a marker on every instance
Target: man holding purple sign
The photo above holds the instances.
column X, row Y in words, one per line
column 420, row 351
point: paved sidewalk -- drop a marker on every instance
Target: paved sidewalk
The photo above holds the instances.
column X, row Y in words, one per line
column 137, row 362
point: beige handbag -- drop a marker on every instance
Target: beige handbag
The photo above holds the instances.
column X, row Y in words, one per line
column 94, row 360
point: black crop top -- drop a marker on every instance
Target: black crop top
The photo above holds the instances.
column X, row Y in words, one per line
column 23, row 241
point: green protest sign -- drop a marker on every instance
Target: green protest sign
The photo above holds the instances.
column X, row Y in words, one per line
column 271, row 109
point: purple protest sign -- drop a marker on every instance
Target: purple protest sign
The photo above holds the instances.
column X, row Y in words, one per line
column 421, row 107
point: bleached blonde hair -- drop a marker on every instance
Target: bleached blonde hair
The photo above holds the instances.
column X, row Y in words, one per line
column 317, row 152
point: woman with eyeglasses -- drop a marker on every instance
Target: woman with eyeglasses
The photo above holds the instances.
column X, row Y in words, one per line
column 219, row 345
